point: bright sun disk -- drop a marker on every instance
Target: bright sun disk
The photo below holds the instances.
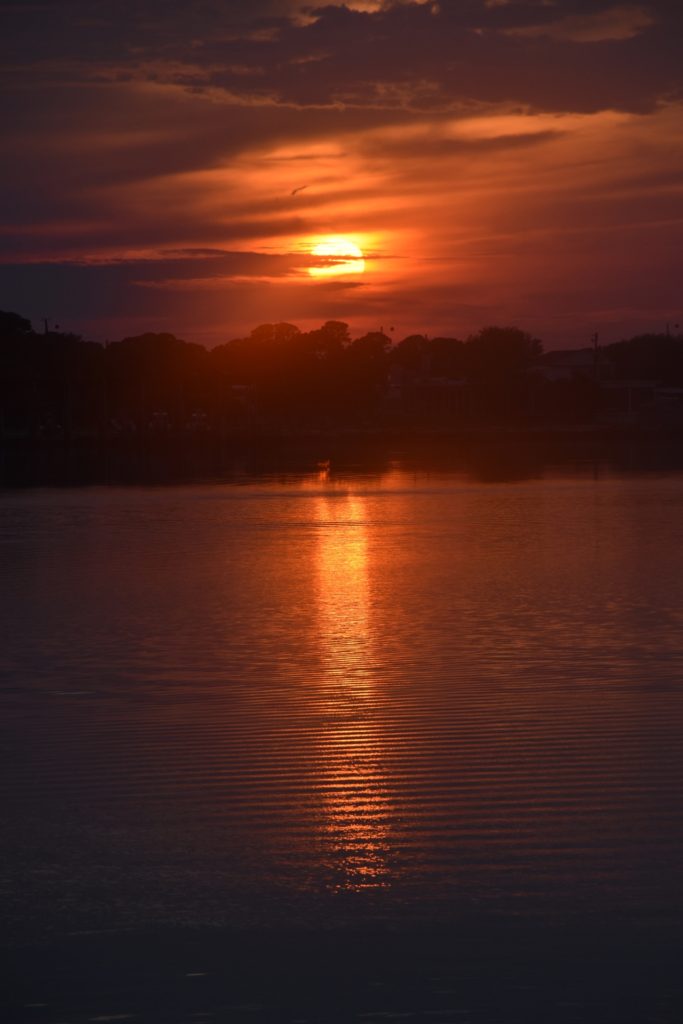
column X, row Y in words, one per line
column 338, row 256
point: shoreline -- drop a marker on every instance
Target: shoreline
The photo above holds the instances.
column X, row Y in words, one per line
column 486, row 454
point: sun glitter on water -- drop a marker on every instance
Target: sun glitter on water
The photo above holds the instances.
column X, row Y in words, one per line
column 337, row 256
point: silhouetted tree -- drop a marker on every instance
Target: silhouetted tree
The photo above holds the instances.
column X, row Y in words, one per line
column 500, row 352
column 447, row 356
column 155, row 375
column 413, row 354
column 365, row 375
column 55, row 384
column 430, row 357
column 330, row 340
column 13, row 326
column 497, row 361
column 649, row 356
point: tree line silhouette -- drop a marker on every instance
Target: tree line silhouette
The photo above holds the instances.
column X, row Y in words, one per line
column 55, row 384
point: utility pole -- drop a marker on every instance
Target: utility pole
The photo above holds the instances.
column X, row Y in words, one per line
column 596, row 355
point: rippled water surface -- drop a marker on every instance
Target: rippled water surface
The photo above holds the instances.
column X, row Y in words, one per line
column 327, row 699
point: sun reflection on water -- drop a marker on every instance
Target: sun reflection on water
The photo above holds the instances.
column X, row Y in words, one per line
column 356, row 820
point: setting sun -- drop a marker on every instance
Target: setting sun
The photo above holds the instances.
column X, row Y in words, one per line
column 337, row 256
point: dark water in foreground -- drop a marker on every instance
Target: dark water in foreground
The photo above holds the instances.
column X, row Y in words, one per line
column 344, row 748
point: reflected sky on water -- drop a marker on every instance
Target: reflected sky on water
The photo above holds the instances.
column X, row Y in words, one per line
column 335, row 697
column 357, row 810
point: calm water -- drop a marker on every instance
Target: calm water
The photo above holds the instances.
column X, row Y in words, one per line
column 341, row 700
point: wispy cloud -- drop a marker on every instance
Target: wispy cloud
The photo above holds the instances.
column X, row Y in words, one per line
column 612, row 23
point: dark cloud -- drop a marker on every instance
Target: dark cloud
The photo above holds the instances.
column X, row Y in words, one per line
column 571, row 55
column 77, row 294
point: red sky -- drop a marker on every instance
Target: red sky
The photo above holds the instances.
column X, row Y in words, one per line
column 495, row 161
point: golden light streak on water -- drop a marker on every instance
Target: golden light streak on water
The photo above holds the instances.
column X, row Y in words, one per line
column 357, row 808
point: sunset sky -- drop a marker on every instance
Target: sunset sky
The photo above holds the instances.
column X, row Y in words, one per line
column 173, row 166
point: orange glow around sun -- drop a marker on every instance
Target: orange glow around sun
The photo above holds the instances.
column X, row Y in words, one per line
column 337, row 256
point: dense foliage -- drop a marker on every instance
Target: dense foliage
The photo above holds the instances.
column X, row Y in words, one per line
column 54, row 384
